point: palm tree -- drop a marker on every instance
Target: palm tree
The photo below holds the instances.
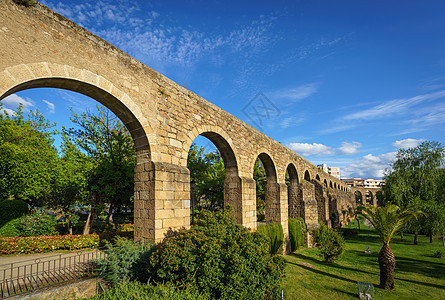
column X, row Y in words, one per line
column 387, row 221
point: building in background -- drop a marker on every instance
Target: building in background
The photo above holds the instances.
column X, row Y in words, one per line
column 354, row 182
column 334, row 171
column 373, row 183
column 364, row 183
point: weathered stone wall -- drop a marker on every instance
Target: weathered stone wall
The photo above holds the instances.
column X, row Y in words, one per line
column 40, row 48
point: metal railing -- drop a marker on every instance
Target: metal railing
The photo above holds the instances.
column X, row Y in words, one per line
column 30, row 275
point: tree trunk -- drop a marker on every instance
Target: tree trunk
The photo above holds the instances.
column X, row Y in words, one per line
column 416, row 238
column 90, row 219
column 387, row 263
column 70, row 227
column 96, row 201
column 401, row 236
column 110, row 215
column 431, row 237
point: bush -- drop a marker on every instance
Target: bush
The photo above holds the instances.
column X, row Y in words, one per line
column 10, row 229
column 219, row 259
column 297, row 233
column 40, row 244
column 135, row 290
column 37, row 224
column 124, row 260
column 329, row 242
column 11, row 209
column 273, row 232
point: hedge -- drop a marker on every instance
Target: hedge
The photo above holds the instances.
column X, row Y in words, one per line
column 297, row 233
column 273, row 232
column 44, row 243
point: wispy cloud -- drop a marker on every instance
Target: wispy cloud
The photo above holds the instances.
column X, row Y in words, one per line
column 407, row 143
column 159, row 43
column 295, row 94
column 292, row 121
column 51, row 106
column 393, row 107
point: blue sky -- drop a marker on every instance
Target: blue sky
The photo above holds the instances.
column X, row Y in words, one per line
column 344, row 83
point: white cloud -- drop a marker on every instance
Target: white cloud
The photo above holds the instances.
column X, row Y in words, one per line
column 12, row 102
column 297, row 93
column 349, row 148
column 307, row 149
column 292, row 121
column 369, row 166
column 407, row 143
column 51, row 106
column 393, row 107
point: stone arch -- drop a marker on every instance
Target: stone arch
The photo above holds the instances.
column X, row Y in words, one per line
column 335, row 185
column 271, row 190
column 44, row 75
column 325, row 183
column 317, row 177
column 358, row 197
column 294, row 192
column 369, row 197
column 232, row 184
column 220, row 138
column 330, row 184
column 307, row 176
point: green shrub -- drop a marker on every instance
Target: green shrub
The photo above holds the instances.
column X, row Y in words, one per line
column 10, row 228
column 219, row 259
column 26, row 3
column 40, row 244
column 136, row 291
column 438, row 254
column 273, row 232
column 11, row 209
column 329, row 242
column 297, row 233
column 124, row 260
column 37, row 224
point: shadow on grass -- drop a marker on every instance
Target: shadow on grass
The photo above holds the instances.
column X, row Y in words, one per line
column 423, row 267
column 345, row 292
column 303, row 257
column 323, row 272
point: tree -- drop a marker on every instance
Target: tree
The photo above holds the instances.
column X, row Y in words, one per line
column 259, row 174
column 387, row 221
column 71, row 183
column 207, row 174
column 28, row 159
column 415, row 180
column 109, row 148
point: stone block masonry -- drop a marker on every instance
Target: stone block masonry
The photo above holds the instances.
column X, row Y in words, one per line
column 40, row 48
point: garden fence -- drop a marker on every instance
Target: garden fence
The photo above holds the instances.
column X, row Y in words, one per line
column 30, row 275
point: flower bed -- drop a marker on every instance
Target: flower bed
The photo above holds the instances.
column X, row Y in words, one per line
column 44, row 243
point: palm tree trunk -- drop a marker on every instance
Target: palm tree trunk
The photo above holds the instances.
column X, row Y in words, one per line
column 387, row 263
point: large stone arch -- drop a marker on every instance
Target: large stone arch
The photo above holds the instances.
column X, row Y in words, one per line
column 294, row 192
column 232, row 181
column 44, row 75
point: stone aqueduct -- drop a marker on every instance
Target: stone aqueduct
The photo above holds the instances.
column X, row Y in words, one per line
column 40, row 48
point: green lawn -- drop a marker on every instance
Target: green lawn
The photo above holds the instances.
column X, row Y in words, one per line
column 418, row 275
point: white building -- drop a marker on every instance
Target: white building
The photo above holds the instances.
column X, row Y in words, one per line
column 373, row 183
column 334, row 171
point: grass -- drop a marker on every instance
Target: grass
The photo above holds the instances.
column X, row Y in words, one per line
column 418, row 275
